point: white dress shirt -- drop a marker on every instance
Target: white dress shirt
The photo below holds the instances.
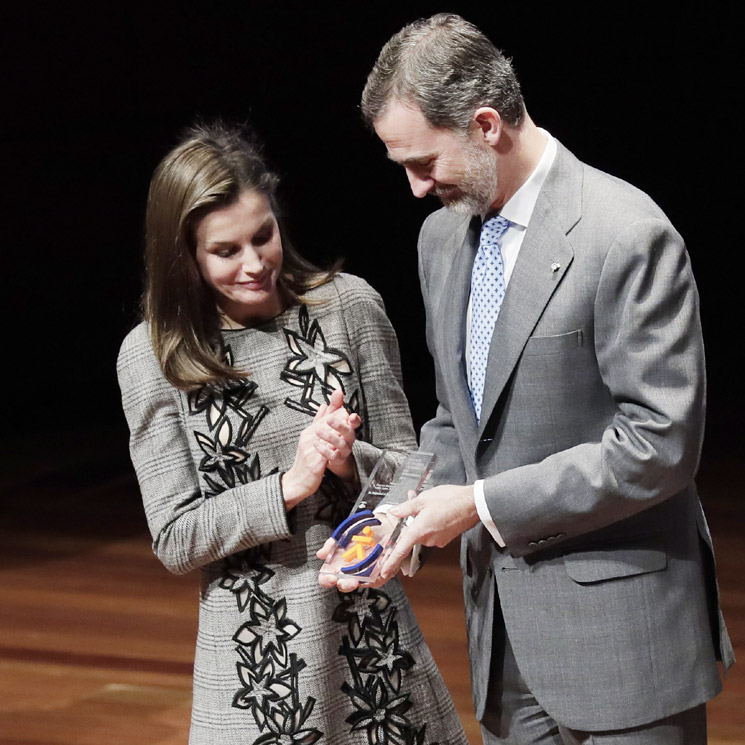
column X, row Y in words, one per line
column 518, row 210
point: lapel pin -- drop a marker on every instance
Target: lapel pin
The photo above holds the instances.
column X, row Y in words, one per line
column 555, row 267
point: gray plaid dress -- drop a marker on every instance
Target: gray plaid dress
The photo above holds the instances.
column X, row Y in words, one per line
column 278, row 658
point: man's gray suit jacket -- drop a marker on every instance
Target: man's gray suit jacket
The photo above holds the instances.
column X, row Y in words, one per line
column 589, row 440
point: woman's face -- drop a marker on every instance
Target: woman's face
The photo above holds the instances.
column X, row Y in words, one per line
column 239, row 253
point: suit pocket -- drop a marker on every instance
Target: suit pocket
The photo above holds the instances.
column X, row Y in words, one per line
column 587, row 567
column 555, row 344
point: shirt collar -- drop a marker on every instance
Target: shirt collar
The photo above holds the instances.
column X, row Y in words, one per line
column 519, row 208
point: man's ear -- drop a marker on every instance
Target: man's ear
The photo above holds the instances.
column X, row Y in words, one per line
column 488, row 123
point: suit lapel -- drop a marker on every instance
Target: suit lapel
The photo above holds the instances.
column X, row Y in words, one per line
column 544, row 258
column 454, row 308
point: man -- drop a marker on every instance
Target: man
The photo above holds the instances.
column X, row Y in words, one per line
column 570, row 380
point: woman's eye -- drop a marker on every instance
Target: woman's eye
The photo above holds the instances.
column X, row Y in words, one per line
column 262, row 238
column 226, row 253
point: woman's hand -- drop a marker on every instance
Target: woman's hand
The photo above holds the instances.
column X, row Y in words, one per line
column 335, row 436
column 330, row 574
column 306, row 473
column 327, row 442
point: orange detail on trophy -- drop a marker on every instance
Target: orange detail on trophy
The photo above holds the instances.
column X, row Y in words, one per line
column 356, row 552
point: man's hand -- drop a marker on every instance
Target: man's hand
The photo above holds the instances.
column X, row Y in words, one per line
column 439, row 515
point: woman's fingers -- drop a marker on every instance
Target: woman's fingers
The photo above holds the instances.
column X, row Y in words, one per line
column 336, row 401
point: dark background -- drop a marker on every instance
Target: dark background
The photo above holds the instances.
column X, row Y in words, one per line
column 94, row 98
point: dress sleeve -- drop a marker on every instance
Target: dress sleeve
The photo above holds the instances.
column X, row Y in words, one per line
column 385, row 410
column 188, row 529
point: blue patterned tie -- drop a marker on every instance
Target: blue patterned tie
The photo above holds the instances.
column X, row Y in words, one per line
column 487, row 293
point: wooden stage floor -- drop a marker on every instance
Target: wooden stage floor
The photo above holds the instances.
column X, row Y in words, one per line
column 96, row 637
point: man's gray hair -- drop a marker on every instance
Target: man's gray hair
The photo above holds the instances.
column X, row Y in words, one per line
column 447, row 68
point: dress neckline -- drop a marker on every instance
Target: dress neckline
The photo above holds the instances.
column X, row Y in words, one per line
column 273, row 321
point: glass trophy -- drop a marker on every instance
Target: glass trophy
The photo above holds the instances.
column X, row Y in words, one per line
column 367, row 536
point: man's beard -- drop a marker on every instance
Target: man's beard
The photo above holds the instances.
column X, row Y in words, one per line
column 478, row 187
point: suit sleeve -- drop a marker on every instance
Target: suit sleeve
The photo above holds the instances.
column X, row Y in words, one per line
column 188, row 530
column 438, row 435
column 649, row 353
column 385, row 410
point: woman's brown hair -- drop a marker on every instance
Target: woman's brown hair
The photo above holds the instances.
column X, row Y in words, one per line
column 209, row 169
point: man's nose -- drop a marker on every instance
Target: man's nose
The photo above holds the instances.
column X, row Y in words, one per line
column 420, row 185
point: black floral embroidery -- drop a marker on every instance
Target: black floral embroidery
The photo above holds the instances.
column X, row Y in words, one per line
column 225, row 455
column 262, row 688
column 377, row 711
column 272, row 697
column 377, row 662
column 314, row 366
column 243, row 473
column 335, row 500
column 267, row 670
column 268, row 631
column 244, row 575
column 220, row 456
column 384, row 656
column 359, row 609
column 233, row 396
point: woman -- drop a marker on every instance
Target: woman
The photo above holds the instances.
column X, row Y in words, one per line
column 259, row 391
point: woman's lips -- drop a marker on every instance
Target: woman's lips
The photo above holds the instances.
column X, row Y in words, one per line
column 256, row 284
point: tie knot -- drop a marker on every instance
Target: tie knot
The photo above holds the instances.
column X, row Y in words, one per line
column 493, row 230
